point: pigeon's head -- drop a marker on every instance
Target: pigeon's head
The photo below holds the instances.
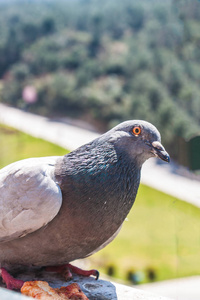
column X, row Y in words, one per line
column 139, row 139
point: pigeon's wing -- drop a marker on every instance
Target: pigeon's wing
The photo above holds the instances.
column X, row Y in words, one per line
column 29, row 196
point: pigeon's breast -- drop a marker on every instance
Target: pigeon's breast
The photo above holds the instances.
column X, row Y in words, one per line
column 96, row 201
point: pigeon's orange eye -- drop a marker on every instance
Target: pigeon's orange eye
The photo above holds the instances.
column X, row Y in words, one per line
column 136, row 130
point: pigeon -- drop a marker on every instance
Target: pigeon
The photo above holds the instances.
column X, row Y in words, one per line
column 58, row 209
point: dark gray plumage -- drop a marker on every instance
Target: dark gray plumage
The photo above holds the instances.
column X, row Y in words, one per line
column 57, row 209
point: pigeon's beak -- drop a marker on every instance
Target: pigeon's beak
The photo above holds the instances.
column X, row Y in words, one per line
column 159, row 151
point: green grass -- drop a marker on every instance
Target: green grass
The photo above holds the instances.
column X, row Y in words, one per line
column 16, row 145
column 162, row 232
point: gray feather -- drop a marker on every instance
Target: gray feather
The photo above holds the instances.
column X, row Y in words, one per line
column 97, row 185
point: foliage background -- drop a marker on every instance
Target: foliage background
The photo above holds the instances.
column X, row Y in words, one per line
column 105, row 61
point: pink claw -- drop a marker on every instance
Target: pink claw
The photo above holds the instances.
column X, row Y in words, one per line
column 10, row 281
column 68, row 268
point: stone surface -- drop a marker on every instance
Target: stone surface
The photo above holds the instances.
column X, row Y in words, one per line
column 94, row 289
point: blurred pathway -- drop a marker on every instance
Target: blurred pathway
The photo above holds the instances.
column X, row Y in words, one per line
column 158, row 176
column 62, row 134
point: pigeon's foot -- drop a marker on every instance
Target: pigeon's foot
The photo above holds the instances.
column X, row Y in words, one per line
column 67, row 270
column 10, row 281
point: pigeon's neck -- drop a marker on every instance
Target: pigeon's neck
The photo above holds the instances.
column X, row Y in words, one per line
column 103, row 175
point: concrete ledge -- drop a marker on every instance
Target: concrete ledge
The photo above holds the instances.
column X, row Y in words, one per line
column 124, row 292
column 9, row 295
column 180, row 288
